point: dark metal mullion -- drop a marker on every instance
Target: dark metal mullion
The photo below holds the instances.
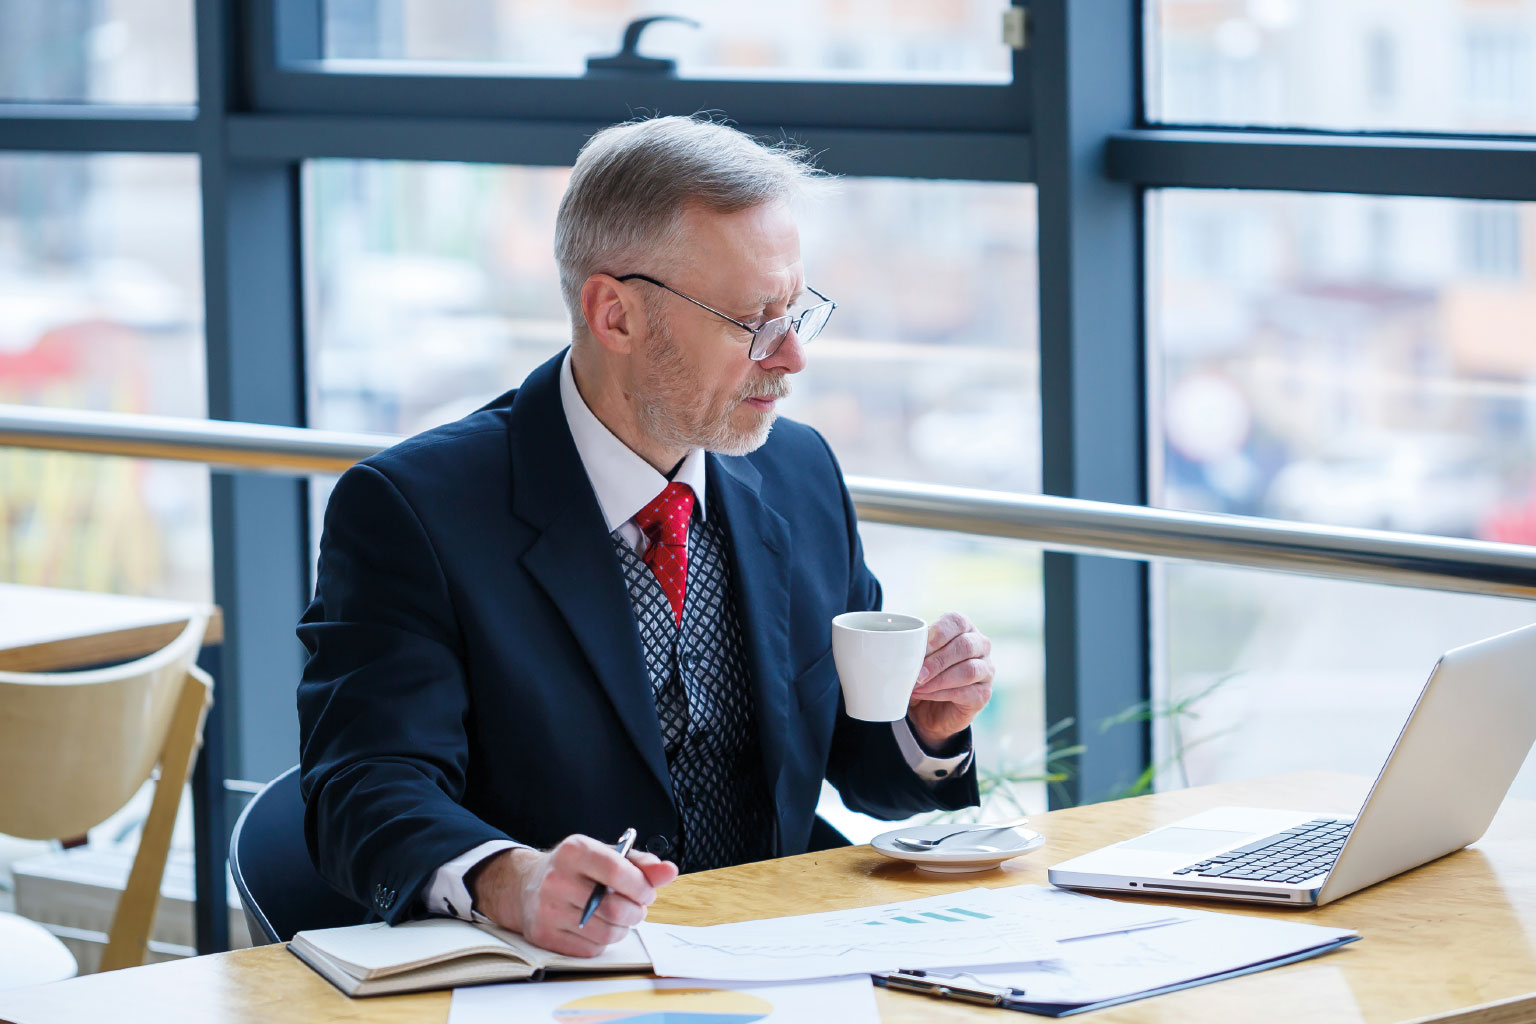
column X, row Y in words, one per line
column 210, row 833
column 97, row 130
column 260, row 524
column 916, row 154
column 1318, row 162
column 888, row 105
column 1091, row 380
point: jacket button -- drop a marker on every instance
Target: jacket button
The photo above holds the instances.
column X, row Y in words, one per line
column 658, row 845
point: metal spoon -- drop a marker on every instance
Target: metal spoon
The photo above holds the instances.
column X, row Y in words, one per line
column 928, row 844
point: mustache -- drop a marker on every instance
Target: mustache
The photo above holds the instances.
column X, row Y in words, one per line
column 773, row 386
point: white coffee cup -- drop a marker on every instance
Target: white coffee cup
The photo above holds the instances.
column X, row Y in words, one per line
column 878, row 656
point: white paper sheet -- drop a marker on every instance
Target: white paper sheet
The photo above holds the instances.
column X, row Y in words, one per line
column 980, row 926
column 845, row 1000
column 1108, row 966
column 1067, row 915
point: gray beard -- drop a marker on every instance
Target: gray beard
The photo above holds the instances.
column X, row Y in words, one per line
column 671, row 407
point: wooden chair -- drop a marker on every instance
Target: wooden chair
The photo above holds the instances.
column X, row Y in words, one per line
column 75, row 746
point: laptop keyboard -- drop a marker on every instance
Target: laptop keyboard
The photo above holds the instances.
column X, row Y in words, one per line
column 1295, row 855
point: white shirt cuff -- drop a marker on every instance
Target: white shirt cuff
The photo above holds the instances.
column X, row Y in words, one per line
column 929, row 769
column 448, row 895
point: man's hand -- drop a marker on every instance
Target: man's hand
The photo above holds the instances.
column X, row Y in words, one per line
column 954, row 683
column 541, row 895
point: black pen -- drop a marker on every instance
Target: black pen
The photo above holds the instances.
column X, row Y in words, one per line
column 599, row 890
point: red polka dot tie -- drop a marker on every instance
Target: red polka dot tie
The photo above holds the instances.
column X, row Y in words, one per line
column 665, row 523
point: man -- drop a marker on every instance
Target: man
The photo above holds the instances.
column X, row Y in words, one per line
column 605, row 600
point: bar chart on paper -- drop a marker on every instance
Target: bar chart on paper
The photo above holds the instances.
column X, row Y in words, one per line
column 958, row 929
column 943, row 915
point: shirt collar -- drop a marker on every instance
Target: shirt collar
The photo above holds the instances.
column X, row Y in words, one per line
column 623, row 481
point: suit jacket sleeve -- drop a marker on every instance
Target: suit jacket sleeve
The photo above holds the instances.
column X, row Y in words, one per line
column 867, row 767
column 382, row 704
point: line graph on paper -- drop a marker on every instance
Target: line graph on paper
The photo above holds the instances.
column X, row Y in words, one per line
column 926, row 933
column 844, row 942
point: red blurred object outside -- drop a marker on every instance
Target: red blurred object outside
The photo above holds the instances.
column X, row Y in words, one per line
column 1514, row 521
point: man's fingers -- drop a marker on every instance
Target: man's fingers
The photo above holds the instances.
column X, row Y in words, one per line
column 599, row 931
column 585, row 857
column 975, row 695
column 951, row 647
column 619, row 911
column 967, row 647
column 945, row 628
column 568, row 943
column 964, row 673
column 659, row 873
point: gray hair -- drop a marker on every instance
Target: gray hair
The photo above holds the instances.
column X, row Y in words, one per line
column 632, row 181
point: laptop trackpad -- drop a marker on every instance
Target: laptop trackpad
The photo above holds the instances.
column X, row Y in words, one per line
column 1184, row 840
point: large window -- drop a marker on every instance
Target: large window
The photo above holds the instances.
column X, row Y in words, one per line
column 874, row 39
column 1349, row 360
column 101, row 281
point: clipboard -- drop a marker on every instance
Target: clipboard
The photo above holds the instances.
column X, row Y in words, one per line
column 968, row 988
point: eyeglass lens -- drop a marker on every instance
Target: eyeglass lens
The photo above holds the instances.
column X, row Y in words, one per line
column 776, row 330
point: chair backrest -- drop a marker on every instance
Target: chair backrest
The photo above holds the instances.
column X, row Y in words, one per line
column 84, row 742
column 279, row 887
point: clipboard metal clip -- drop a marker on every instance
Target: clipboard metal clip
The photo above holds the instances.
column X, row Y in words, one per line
column 949, row 986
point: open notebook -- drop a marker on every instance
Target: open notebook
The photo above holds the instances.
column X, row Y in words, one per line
column 377, row 959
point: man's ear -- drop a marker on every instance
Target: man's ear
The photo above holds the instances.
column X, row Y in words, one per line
column 613, row 313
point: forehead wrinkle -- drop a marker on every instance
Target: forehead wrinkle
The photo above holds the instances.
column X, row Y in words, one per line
column 769, row 298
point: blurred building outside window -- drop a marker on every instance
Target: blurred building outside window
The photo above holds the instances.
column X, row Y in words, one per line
column 1296, row 374
column 432, row 288
column 97, row 51
column 823, row 39
column 1371, row 65
column 101, row 280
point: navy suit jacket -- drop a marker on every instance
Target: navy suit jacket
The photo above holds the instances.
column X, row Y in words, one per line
column 475, row 671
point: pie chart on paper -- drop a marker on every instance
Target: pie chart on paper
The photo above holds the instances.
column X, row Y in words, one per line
column 666, row 1006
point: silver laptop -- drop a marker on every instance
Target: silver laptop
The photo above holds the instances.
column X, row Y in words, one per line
column 1460, row 749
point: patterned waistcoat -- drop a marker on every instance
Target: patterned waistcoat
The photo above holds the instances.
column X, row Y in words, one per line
column 704, row 703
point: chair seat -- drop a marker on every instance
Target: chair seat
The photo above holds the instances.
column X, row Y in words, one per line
column 30, row 955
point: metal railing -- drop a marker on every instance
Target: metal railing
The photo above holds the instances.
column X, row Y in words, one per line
column 1059, row 524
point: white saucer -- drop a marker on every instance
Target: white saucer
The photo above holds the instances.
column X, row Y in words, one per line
column 986, row 851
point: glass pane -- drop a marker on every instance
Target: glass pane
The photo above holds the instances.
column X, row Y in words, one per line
column 1280, row 673
column 107, row 51
column 1350, row 360
column 885, row 39
column 101, row 281
column 433, row 289
column 1432, row 65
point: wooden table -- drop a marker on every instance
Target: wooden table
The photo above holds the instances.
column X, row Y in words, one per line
column 44, row 629
column 47, row 630
column 1450, row 941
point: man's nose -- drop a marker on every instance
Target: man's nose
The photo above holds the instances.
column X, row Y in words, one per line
column 789, row 356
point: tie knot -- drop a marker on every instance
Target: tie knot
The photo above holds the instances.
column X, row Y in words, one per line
column 665, row 519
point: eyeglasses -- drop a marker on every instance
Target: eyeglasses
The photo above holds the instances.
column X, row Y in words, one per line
column 767, row 338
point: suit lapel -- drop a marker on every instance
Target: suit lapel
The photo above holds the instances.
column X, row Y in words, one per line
column 573, row 560
column 759, row 540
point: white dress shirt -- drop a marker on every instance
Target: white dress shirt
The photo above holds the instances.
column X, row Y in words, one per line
column 625, row 483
